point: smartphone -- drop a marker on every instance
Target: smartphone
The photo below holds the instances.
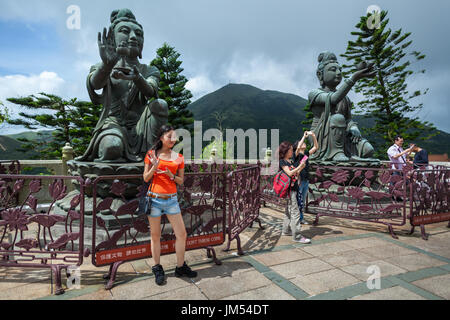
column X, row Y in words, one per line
column 304, row 159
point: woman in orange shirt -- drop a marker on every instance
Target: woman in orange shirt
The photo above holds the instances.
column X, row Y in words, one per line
column 166, row 167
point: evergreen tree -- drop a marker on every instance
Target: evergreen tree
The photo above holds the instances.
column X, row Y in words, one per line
column 386, row 96
column 4, row 113
column 172, row 87
column 308, row 117
column 73, row 122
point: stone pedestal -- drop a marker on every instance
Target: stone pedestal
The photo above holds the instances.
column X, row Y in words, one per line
column 93, row 170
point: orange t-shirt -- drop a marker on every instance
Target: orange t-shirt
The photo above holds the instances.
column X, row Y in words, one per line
column 161, row 181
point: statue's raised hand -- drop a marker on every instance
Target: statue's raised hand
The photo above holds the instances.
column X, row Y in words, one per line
column 107, row 49
column 365, row 71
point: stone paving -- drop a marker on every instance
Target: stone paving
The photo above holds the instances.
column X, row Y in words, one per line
column 334, row 266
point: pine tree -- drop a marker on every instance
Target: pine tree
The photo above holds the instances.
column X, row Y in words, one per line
column 73, row 122
column 308, row 117
column 172, row 87
column 386, row 96
column 4, row 113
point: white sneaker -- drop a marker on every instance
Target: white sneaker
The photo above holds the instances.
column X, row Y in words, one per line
column 304, row 222
column 303, row 240
column 286, row 234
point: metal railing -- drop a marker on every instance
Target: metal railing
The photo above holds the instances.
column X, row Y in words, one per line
column 35, row 236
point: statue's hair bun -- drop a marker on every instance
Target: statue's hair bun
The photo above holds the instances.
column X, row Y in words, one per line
column 114, row 15
column 122, row 13
column 320, row 58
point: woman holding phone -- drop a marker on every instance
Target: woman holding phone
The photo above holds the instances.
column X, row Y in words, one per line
column 166, row 168
column 291, row 222
column 301, row 154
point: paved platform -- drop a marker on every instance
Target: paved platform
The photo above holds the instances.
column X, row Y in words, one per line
column 334, row 266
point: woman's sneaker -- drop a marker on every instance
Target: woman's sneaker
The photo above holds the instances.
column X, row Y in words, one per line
column 158, row 271
column 303, row 222
column 303, row 240
column 185, row 271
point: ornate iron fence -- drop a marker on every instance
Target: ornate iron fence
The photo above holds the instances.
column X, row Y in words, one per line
column 34, row 236
column 429, row 197
column 244, row 202
column 368, row 194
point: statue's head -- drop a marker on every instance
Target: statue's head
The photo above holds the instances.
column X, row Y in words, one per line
column 329, row 70
column 125, row 29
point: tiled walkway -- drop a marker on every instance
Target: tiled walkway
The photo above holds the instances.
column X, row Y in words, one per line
column 334, row 266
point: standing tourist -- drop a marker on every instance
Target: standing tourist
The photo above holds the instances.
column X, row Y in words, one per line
column 303, row 180
column 420, row 157
column 397, row 154
column 291, row 222
column 166, row 168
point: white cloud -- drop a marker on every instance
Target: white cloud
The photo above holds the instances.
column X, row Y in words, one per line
column 20, row 85
column 200, row 85
column 15, row 86
column 294, row 75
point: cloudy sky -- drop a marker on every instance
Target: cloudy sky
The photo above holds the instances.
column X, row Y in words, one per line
column 268, row 44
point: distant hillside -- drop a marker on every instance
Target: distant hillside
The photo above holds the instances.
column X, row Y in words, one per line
column 8, row 149
column 32, row 135
column 244, row 106
column 9, row 144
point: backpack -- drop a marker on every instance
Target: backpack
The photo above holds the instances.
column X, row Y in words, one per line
column 282, row 184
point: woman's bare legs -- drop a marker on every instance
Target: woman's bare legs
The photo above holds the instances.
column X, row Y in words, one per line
column 155, row 232
column 180, row 232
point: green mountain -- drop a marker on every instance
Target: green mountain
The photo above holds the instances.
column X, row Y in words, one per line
column 32, row 135
column 244, row 106
column 9, row 144
column 8, row 149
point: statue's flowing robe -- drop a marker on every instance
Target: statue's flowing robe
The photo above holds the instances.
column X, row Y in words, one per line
column 322, row 128
column 125, row 114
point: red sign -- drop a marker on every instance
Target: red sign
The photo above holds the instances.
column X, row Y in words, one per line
column 144, row 250
column 430, row 218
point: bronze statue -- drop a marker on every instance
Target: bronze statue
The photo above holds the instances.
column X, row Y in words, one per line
column 338, row 136
column 132, row 113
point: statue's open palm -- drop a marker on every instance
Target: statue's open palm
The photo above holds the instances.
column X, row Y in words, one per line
column 366, row 72
column 107, row 49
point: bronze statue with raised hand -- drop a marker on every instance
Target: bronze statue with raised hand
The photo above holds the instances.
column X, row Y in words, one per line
column 338, row 135
column 130, row 119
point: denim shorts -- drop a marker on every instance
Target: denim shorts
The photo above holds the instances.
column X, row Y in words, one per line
column 164, row 206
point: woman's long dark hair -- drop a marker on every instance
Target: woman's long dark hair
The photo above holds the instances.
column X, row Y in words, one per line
column 162, row 131
column 283, row 149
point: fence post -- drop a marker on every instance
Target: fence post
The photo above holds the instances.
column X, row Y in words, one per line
column 67, row 154
column 268, row 155
column 213, row 153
